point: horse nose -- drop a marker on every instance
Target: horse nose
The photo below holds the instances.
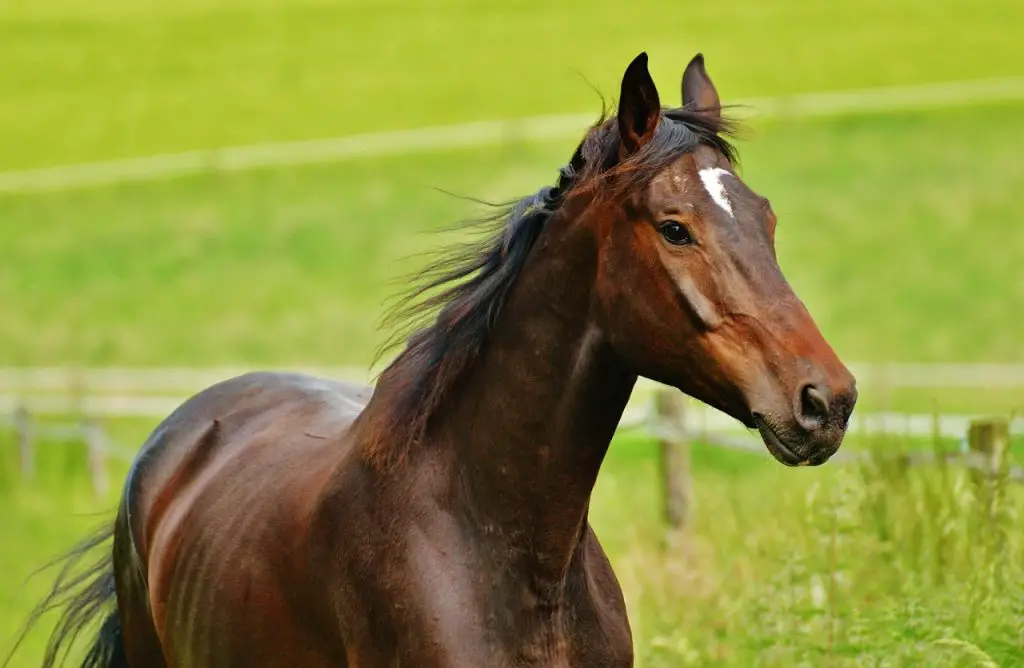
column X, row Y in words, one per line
column 812, row 406
column 818, row 405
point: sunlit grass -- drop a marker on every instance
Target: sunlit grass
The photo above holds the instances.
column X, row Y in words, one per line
column 845, row 565
column 855, row 565
column 99, row 79
column 901, row 232
column 902, row 249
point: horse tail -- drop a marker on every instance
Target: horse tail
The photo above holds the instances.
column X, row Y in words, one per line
column 84, row 595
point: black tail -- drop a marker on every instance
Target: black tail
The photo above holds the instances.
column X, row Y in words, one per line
column 83, row 595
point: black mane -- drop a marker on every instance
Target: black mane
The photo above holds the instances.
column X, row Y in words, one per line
column 467, row 286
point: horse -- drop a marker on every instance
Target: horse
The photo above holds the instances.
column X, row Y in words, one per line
column 440, row 519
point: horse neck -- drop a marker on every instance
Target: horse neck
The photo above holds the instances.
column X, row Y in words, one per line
column 532, row 421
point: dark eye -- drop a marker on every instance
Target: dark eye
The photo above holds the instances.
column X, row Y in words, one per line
column 675, row 233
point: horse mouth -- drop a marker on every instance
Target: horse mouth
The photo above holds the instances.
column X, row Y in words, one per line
column 777, row 446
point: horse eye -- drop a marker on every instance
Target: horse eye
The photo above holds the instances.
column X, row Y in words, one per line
column 675, row 233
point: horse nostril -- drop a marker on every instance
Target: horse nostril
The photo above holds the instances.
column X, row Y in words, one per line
column 814, row 409
column 844, row 405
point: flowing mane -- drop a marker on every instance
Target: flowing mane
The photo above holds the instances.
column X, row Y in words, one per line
column 467, row 285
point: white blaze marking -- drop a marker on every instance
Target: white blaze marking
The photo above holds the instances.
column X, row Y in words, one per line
column 711, row 177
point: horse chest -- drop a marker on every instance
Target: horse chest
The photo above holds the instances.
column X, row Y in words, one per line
column 493, row 634
column 580, row 640
column 491, row 613
column 580, row 633
column 460, row 609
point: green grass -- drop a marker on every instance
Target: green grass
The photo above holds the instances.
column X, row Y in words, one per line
column 97, row 79
column 900, row 233
column 42, row 519
column 841, row 565
column 844, row 566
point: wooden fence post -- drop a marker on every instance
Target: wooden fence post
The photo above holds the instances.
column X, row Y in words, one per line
column 26, row 434
column 96, row 444
column 674, row 451
column 989, row 441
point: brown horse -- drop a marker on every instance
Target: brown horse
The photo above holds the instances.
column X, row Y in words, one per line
column 441, row 518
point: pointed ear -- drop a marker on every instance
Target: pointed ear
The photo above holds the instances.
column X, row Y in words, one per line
column 699, row 93
column 639, row 107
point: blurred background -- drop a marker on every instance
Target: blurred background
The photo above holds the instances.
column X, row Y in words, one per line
column 190, row 189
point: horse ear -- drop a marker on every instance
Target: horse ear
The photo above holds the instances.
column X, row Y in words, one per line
column 639, row 107
column 699, row 93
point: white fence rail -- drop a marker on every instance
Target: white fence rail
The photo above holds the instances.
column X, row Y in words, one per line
column 155, row 392
column 68, row 405
column 126, row 380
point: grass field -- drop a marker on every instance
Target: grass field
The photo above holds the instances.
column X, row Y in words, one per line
column 840, row 566
column 94, row 79
column 229, row 268
column 901, row 231
column 902, row 248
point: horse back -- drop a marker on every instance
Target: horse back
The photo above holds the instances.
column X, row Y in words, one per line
column 220, row 497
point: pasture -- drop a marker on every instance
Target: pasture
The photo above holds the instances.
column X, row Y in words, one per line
column 842, row 566
column 901, row 247
column 900, row 230
column 117, row 78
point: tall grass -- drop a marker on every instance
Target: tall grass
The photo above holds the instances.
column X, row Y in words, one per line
column 871, row 564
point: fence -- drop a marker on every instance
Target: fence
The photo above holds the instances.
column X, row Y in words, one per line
column 29, row 429
column 68, row 405
column 986, row 450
